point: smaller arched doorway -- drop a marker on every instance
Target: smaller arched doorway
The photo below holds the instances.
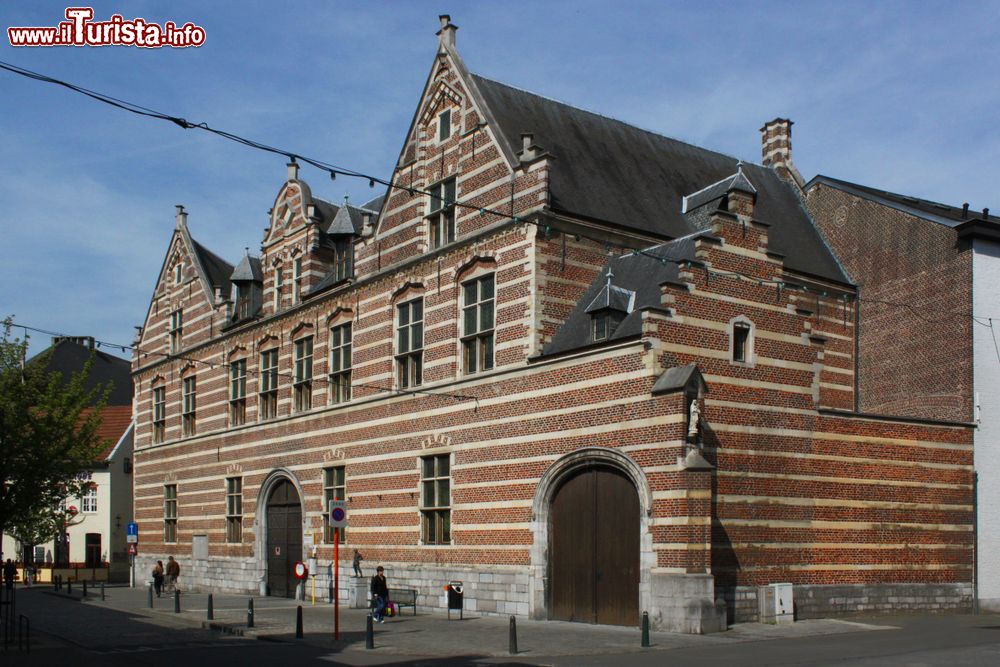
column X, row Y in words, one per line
column 284, row 538
column 594, row 544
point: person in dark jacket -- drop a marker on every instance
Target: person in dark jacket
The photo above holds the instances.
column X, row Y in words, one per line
column 380, row 594
column 357, row 563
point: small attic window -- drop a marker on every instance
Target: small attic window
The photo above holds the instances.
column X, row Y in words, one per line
column 741, row 339
column 444, row 125
column 178, row 273
column 605, row 322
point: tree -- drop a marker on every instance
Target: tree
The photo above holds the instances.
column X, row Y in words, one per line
column 48, row 434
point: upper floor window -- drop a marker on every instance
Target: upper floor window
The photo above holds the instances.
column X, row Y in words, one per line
column 178, row 273
column 344, row 259
column 89, row 499
column 444, row 125
column 605, row 322
column 176, row 329
column 170, row 513
column 741, row 340
column 303, row 373
column 441, row 221
column 234, row 509
column 268, row 384
column 297, row 280
column 190, row 406
column 159, row 413
column 477, row 323
column 340, row 363
column 410, row 343
column 334, row 488
column 277, row 287
column 238, row 392
column 435, row 499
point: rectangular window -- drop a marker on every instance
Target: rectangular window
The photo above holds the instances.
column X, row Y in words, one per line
column 89, row 499
column 741, row 340
column 238, row 392
column 435, row 499
column 178, row 273
column 334, row 488
column 303, row 374
column 477, row 323
column 441, row 221
column 340, row 363
column 297, row 280
column 234, row 509
column 444, row 125
column 170, row 513
column 344, row 259
column 277, row 288
column 190, row 406
column 600, row 325
column 268, row 384
column 176, row 329
column 159, row 413
column 410, row 343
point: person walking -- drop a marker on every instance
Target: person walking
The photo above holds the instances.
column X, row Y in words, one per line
column 357, row 563
column 9, row 572
column 380, row 594
column 173, row 571
column 158, row 577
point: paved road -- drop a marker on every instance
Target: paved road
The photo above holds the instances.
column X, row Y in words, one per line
column 121, row 631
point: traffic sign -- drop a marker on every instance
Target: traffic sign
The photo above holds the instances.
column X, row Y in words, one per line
column 301, row 571
column 133, row 549
column 132, row 528
column 132, row 539
column 338, row 514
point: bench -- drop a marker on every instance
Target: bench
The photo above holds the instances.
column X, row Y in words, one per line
column 402, row 597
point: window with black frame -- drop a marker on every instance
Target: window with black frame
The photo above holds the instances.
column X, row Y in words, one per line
column 409, row 343
column 441, row 221
column 478, row 319
column 435, row 499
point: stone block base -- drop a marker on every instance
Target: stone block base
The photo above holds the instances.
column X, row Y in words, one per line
column 686, row 603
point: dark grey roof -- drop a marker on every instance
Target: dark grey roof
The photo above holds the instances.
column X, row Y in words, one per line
column 642, row 273
column 327, row 211
column 679, row 378
column 217, row 270
column 67, row 356
column 375, row 204
column 249, row 270
column 943, row 214
column 349, row 220
column 715, row 191
column 613, row 297
column 607, row 170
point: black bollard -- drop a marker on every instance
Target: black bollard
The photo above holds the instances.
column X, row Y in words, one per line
column 645, row 629
column 211, row 613
column 369, row 633
column 513, row 636
column 250, row 613
column 177, row 601
column 149, row 601
column 330, row 591
column 298, row 622
column 102, row 591
column 85, row 588
column 69, row 587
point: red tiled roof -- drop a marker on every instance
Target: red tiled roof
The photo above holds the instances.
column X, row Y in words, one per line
column 114, row 422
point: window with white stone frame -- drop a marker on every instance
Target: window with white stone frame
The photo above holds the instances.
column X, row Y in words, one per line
column 478, row 318
column 435, row 499
column 340, row 363
column 234, row 509
column 410, row 343
column 441, row 221
column 169, row 512
column 88, row 500
column 741, row 341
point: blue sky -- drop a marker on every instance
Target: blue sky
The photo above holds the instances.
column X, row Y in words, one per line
column 897, row 95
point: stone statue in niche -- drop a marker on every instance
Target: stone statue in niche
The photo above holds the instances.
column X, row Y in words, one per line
column 694, row 417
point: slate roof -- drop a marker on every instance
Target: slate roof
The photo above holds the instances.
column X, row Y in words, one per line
column 249, row 269
column 642, row 273
column 607, row 170
column 217, row 270
column 678, row 378
column 68, row 357
column 943, row 214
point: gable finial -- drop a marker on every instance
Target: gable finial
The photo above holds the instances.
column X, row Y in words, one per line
column 446, row 35
column 181, row 216
column 610, row 275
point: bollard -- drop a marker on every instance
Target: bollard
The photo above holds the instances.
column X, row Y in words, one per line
column 250, row 613
column 69, row 587
column 512, row 649
column 85, row 588
column 298, row 622
column 149, row 601
column 330, row 589
column 211, row 612
column 177, row 601
column 369, row 633
column 102, row 591
column 645, row 629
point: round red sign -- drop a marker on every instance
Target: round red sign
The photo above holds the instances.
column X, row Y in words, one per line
column 301, row 571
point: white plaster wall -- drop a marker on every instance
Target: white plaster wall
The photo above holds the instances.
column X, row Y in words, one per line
column 986, row 304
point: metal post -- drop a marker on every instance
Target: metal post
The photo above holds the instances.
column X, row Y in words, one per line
column 177, row 601
column 102, row 591
column 84, row 588
column 149, row 601
column 298, row 622
column 211, row 612
column 250, row 613
column 336, row 583
column 513, row 636
column 69, row 587
column 645, row 629
column 369, row 633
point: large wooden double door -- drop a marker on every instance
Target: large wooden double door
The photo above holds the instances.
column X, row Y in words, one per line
column 594, row 549
column 284, row 538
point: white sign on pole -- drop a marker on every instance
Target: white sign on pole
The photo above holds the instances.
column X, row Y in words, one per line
column 338, row 514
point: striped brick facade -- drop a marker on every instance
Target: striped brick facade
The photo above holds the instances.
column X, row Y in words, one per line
column 784, row 484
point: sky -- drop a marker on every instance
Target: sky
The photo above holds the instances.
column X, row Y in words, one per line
column 901, row 96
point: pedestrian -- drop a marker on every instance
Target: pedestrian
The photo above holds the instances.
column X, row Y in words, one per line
column 357, row 563
column 158, row 577
column 9, row 572
column 29, row 574
column 173, row 571
column 380, row 594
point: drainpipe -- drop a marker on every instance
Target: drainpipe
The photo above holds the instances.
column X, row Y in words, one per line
column 975, row 542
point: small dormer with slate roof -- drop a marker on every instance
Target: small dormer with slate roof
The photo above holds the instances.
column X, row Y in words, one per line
column 248, row 277
column 609, row 308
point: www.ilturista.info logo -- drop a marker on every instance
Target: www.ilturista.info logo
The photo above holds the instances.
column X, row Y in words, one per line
column 81, row 30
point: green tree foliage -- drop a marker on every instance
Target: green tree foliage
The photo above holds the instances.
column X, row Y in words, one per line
column 48, row 435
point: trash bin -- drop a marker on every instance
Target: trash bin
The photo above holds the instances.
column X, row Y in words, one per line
column 455, row 597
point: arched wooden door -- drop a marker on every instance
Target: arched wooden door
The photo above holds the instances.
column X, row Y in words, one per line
column 284, row 538
column 594, row 549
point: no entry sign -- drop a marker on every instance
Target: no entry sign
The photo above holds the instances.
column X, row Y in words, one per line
column 301, row 571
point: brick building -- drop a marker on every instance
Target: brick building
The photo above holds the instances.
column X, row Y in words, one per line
column 584, row 368
column 926, row 275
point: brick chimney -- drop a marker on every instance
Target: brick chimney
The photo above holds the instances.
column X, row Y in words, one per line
column 776, row 149
column 446, row 35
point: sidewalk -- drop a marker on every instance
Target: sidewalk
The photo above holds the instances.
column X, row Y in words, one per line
column 429, row 633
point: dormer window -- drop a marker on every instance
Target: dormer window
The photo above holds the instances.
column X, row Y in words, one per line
column 605, row 322
column 609, row 309
column 441, row 222
column 344, row 259
column 297, row 280
column 277, row 287
column 444, row 125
